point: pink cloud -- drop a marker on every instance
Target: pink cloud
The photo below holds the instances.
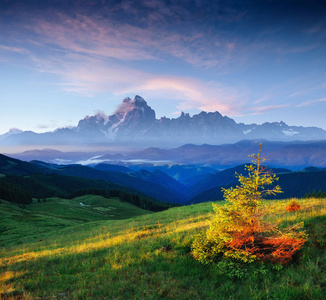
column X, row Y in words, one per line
column 98, row 37
column 92, row 76
column 195, row 94
column 85, row 36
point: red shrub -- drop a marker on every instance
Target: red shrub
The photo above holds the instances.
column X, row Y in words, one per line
column 293, row 206
column 275, row 249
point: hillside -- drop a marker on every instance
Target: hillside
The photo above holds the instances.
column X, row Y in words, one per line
column 147, row 257
column 158, row 186
column 38, row 220
column 20, row 181
column 10, row 166
column 293, row 184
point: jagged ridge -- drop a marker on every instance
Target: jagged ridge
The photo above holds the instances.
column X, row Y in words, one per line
column 134, row 122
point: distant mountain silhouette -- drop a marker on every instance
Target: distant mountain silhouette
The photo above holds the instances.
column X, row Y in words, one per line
column 294, row 155
column 134, row 123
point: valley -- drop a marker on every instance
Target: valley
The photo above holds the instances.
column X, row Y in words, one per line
column 175, row 182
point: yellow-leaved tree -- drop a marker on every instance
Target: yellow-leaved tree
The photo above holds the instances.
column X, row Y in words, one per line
column 238, row 231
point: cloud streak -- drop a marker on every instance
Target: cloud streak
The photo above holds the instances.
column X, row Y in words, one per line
column 308, row 103
column 263, row 109
column 107, row 39
column 14, row 49
column 144, row 33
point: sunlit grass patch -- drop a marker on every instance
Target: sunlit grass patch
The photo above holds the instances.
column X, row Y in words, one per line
column 6, row 281
column 148, row 257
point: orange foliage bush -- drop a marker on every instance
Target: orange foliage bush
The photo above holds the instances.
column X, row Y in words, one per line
column 275, row 249
column 293, row 206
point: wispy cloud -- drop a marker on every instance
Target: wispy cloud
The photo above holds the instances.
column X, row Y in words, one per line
column 318, row 28
column 297, row 49
column 311, row 102
column 108, row 38
column 307, row 91
column 45, row 126
column 300, row 93
column 264, row 109
column 85, row 35
column 14, row 49
column 264, row 98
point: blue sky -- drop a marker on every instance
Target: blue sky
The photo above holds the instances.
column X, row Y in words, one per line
column 254, row 61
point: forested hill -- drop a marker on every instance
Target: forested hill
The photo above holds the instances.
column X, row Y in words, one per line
column 10, row 165
column 22, row 181
column 293, row 184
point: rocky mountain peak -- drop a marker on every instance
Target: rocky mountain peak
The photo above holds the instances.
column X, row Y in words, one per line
column 126, row 100
column 140, row 100
column 129, row 105
column 185, row 115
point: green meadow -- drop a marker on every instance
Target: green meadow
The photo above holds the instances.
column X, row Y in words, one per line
column 40, row 219
column 108, row 249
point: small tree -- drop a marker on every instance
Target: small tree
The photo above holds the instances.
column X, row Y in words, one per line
column 238, row 231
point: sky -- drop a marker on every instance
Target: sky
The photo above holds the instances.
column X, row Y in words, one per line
column 255, row 61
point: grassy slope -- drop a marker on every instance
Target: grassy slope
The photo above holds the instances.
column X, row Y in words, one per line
column 127, row 259
column 19, row 226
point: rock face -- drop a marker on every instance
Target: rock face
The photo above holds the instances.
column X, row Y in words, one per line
column 281, row 131
column 134, row 123
column 131, row 121
column 211, row 128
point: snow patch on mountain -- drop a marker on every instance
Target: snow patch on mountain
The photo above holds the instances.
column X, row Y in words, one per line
column 134, row 123
column 245, row 132
column 290, row 132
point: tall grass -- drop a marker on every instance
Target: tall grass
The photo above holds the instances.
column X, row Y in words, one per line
column 148, row 257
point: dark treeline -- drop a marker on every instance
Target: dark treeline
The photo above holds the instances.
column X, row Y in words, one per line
column 21, row 189
column 144, row 202
column 298, row 184
column 315, row 194
column 14, row 194
column 294, row 185
column 136, row 199
column 53, row 185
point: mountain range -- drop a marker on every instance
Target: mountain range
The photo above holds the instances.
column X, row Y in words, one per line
column 185, row 161
column 40, row 179
column 134, row 123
